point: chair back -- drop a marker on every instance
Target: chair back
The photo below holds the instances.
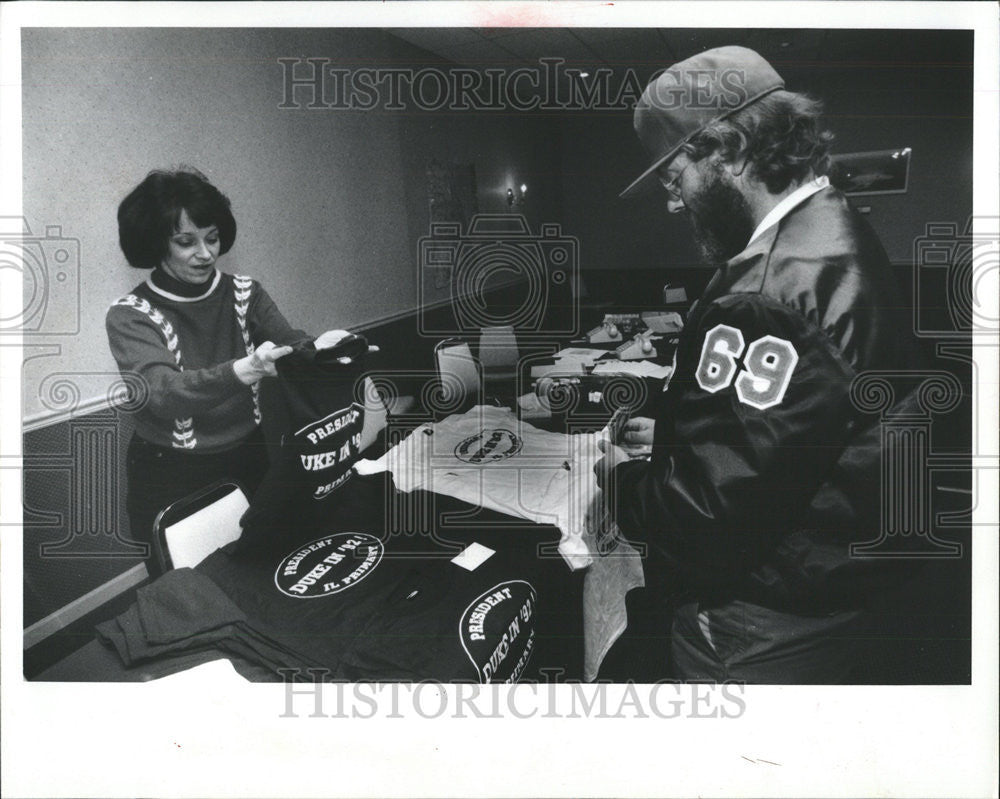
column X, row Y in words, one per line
column 190, row 529
column 500, row 358
column 375, row 416
column 498, row 351
column 458, row 371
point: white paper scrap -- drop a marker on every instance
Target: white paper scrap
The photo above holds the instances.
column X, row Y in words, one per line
column 472, row 556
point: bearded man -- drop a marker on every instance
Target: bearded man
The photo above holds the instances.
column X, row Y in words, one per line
column 763, row 471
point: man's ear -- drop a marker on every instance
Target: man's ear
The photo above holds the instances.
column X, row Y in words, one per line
column 737, row 167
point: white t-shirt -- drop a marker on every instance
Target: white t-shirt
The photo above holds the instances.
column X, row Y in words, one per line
column 488, row 457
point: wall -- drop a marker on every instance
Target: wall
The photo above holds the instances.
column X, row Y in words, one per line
column 330, row 203
column 330, row 206
column 916, row 93
column 921, row 98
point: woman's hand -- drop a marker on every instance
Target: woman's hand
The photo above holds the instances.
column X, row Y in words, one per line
column 261, row 364
column 639, row 431
column 330, row 339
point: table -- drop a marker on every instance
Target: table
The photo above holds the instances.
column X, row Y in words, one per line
column 98, row 662
column 559, row 626
column 445, row 655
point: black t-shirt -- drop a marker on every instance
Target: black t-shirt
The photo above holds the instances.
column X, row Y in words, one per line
column 377, row 595
column 366, row 603
column 321, row 391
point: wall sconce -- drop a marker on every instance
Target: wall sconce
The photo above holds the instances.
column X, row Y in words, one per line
column 516, row 196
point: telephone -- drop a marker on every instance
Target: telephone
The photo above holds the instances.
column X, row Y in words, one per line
column 616, row 327
column 638, row 347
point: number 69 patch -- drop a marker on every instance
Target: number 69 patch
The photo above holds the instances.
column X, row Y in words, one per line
column 767, row 366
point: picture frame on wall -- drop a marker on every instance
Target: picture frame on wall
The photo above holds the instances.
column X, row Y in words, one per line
column 874, row 172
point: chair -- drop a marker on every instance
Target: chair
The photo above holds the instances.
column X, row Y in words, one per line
column 459, row 371
column 500, row 360
column 376, row 416
column 498, row 352
column 190, row 529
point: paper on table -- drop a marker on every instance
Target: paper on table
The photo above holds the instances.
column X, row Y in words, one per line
column 561, row 368
column 580, row 353
column 577, row 358
column 531, row 406
column 637, row 368
column 473, row 556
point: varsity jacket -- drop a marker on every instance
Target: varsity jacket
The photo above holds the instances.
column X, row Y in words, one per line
column 178, row 352
column 763, row 471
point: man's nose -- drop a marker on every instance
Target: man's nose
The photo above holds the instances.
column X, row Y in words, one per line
column 675, row 205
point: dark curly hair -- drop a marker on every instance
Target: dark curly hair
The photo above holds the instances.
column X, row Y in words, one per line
column 150, row 214
column 780, row 137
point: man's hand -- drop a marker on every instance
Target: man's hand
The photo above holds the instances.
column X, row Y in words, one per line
column 261, row 364
column 638, row 431
column 612, row 457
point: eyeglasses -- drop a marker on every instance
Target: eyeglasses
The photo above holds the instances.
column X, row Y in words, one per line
column 672, row 185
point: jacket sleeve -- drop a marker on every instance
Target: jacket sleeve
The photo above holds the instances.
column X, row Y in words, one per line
column 267, row 323
column 138, row 347
column 756, row 414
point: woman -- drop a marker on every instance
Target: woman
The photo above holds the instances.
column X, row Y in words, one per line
column 199, row 340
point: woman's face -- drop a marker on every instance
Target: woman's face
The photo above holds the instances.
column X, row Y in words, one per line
column 191, row 251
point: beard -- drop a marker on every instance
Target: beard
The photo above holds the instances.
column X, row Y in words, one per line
column 720, row 219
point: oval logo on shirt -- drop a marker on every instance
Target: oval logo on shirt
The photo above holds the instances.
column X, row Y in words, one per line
column 328, row 565
column 497, row 631
column 489, row 445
